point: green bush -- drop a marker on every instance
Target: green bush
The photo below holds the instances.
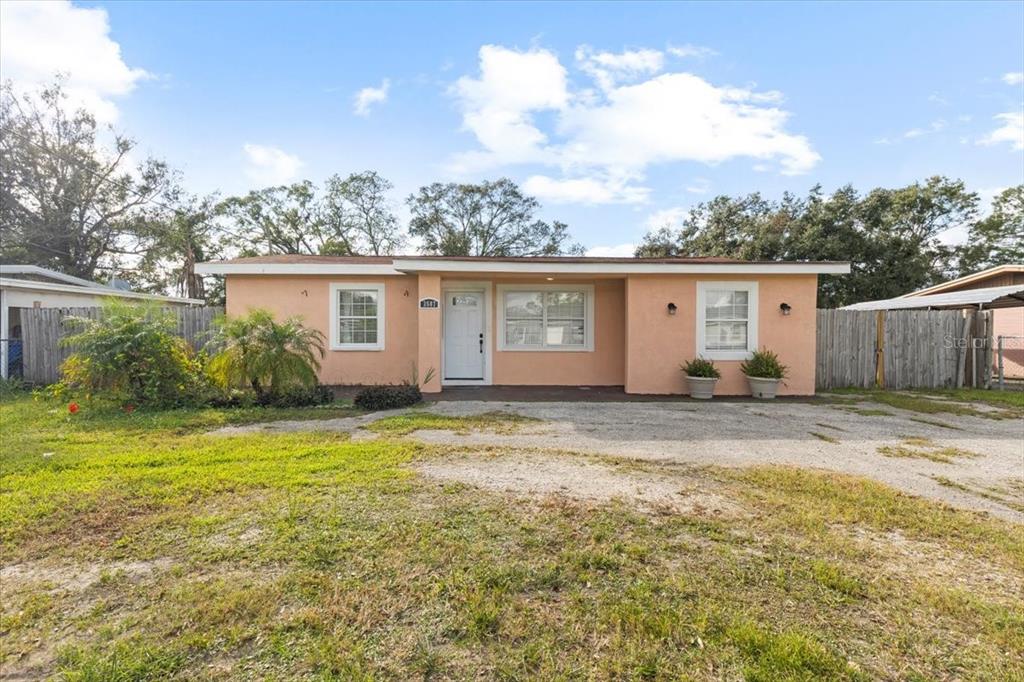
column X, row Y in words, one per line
column 297, row 396
column 267, row 356
column 388, row 397
column 701, row 368
column 130, row 354
column 12, row 387
column 764, row 364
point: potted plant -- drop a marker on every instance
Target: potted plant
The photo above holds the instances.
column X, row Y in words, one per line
column 701, row 377
column 764, row 372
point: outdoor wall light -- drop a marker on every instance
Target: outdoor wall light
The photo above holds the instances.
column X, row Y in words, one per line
column 672, row 308
column 786, row 308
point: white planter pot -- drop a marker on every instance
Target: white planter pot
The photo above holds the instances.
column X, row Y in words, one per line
column 701, row 388
column 763, row 388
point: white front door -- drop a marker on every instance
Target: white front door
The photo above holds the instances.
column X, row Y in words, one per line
column 464, row 343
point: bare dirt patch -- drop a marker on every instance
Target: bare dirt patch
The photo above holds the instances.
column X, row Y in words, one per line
column 580, row 479
column 892, row 552
column 75, row 577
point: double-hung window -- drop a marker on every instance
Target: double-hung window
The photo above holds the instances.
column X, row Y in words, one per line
column 546, row 317
column 357, row 316
column 726, row 320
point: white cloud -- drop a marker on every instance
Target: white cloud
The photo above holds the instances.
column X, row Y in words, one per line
column 684, row 51
column 497, row 107
column 40, row 39
column 1013, row 78
column 1012, row 131
column 608, row 68
column 367, row 97
column 934, row 127
column 617, row 251
column 269, row 165
column 667, row 217
column 681, row 117
column 584, row 190
column 699, row 186
column 610, row 136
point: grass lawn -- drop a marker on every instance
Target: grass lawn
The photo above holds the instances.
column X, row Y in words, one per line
column 135, row 546
column 975, row 402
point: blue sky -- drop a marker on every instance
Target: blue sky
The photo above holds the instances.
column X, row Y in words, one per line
column 617, row 116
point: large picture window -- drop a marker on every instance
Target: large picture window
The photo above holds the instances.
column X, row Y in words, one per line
column 726, row 320
column 546, row 317
column 357, row 316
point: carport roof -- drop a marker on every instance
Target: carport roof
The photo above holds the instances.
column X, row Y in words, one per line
column 992, row 297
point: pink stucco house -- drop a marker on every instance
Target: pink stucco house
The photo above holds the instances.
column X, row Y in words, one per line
column 540, row 321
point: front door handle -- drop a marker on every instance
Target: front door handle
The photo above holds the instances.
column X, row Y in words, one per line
column 481, row 342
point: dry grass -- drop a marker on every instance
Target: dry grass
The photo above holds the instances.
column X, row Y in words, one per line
column 922, row 448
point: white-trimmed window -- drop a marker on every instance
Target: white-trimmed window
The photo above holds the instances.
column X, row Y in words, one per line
column 357, row 316
column 546, row 317
column 726, row 320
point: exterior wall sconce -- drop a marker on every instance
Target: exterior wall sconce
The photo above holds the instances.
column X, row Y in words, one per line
column 672, row 308
column 786, row 308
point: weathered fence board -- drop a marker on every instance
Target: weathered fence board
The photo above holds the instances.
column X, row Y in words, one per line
column 919, row 348
column 43, row 328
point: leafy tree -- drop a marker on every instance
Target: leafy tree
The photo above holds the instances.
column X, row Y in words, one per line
column 131, row 354
column 183, row 235
column 266, row 355
column 488, row 219
column 66, row 202
column 358, row 216
column 998, row 238
column 890, row 236
column 285, row 219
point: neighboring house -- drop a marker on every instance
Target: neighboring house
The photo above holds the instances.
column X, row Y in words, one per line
column 1000, row 289
column 541, row 321
column 30, row 286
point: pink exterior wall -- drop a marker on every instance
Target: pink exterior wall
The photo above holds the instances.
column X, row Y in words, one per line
column 309, row 297
column 658, row 342
column 429, row 335
column 1009, row 322
column 636, row 343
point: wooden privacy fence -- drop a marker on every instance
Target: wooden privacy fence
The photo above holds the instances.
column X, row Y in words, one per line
column 904, row 348
column 43, row 328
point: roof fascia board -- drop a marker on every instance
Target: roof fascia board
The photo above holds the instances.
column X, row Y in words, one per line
column 52, row 274
column 7, row 282
column 296, row 269
column 427, row 265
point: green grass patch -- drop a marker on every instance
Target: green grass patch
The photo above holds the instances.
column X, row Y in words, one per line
column 825, row 437
column 956, row 402
column 161, row 552
column 404, row 424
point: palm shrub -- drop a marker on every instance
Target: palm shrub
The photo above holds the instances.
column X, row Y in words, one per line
column 701, row 369
column 258, row 352
column 764, row 364
column 130, row 353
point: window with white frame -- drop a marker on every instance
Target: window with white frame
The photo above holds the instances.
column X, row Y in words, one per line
column 357, row 316
column 546, row 317
column 726, row 320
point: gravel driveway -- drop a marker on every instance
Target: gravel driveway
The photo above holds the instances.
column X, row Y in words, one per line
column 985, row 473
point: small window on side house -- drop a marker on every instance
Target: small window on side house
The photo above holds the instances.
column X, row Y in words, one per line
column 357, row 316
column 726, row 320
